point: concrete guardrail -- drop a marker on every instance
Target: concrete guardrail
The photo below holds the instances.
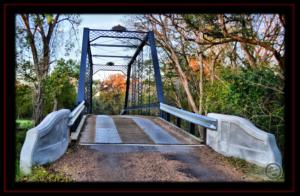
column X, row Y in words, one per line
column 238, row 137
column 46, row 142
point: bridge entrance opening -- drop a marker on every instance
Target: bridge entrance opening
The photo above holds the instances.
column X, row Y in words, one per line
column 136, row 90
column 133, row 55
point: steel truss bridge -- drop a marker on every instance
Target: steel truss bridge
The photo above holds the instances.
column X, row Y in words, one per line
column 133, row 66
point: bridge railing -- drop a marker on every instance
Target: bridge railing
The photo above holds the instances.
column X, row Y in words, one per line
column 73, row 117
column 192, row 118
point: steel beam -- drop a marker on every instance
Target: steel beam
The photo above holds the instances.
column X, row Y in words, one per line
column 178, row 122
column 105, row 30
column 146, row 106
column 90, row 105
column 158, row 82
column 115, row 45
column 138, row 50
column 84, row 51
column 111, row 68
column 192, row 128
column 118, row 37
column 102, row 65
column 111, row 56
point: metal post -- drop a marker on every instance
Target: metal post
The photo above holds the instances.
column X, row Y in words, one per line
column 168, row 116
column 81, row 82
column 178, row 122
column 127, row 88
column 158, row 82
column 90, row 90
column 204, row 136
column 192, row 128
column 161, row 114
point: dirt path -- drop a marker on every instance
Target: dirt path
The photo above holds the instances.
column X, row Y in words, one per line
column 82, row 163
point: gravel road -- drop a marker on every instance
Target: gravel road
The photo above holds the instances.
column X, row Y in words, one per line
column 200, row 163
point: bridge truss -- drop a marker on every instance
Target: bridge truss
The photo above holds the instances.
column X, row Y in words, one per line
column 133, row 66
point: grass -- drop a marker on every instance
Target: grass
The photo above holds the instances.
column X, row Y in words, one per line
column 43, row 174
column 252, row 171
column 39, row 173
column 24, row 124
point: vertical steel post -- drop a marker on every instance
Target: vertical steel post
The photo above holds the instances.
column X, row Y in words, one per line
column 127, row 88
column 90, row 82
column 178, row 121
column 129, row 71
column 204, row 136
column 158, row 82
column 81, row 82
column 168, row 117
column 192, row 128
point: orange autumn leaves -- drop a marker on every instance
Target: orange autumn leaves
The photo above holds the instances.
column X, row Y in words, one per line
column 115, row 81
column 194, row 65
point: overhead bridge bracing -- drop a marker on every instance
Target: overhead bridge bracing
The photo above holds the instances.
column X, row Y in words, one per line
column 132, row 65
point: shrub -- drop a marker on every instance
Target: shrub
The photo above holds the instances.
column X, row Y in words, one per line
column 252, row 94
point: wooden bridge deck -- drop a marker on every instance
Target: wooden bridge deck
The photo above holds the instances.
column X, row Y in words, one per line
column 102, row 129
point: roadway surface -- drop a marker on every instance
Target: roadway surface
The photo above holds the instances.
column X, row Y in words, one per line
column 131, row 148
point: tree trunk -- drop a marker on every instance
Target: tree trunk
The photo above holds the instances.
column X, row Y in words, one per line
column 249, row 57
column 55, row 103
column 38, row 103
column 200, row 60
column 185, row 83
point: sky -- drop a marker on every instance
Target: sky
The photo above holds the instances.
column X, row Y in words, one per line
column 100, row 21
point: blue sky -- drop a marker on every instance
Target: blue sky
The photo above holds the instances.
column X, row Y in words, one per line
column 98, row 21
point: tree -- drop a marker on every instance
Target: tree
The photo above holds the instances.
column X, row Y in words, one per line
column 110, row 95
column 60, row 86
column 23, row 100
column 38, row 32
column 259, row 36
column 165, row 34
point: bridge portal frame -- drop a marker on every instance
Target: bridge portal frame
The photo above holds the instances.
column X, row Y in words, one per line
column 86, row 65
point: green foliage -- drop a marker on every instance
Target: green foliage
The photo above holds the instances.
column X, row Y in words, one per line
column 24, row 96
column 108, row 103
column 110, row 94
column 60, row 86
column 24, row 124
column 22, row 127
column 42, row 174
column 252, row 172
column 253, row 94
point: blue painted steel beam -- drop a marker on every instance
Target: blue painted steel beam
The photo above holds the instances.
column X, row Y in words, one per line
column 84, row 51
column 117, row 31
column 150, row 105
column 101, row 65
column 90, row 108
column 120, row 37
column 138, row 50
column 158, row 82
column 111, row 56
column 115, row 45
